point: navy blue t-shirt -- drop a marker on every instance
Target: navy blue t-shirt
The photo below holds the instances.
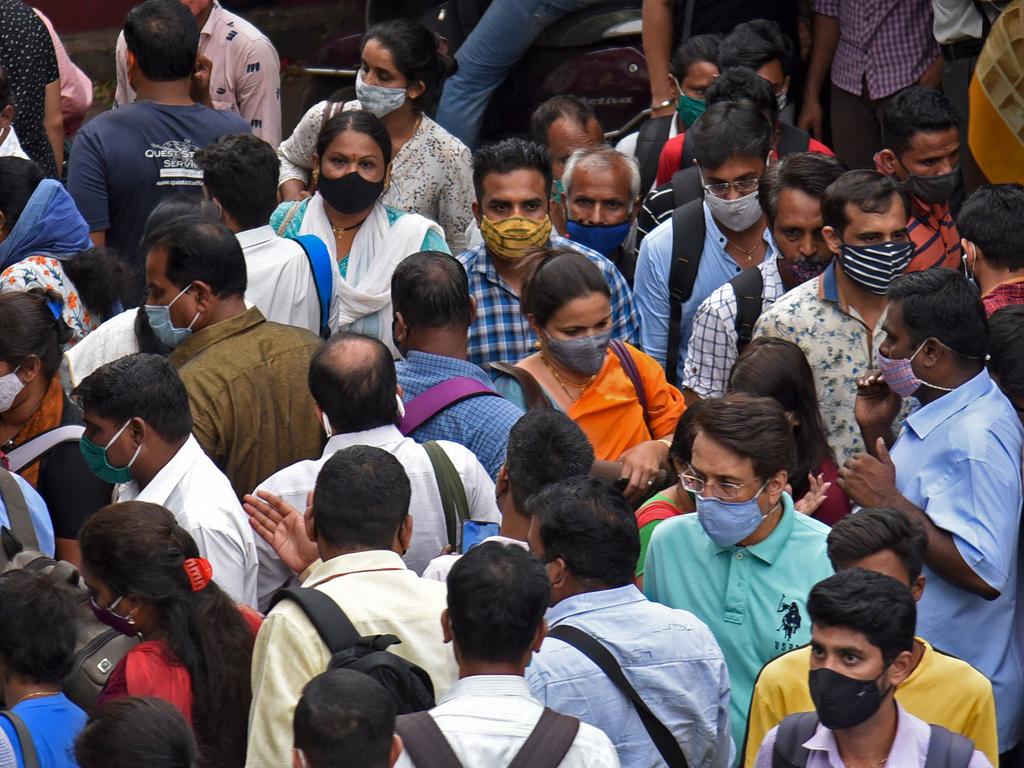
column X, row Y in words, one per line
column 126, row 161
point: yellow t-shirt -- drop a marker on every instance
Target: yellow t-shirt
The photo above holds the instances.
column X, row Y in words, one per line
column 943, row 690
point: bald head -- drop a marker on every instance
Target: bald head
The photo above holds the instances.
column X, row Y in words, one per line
column 352, row 379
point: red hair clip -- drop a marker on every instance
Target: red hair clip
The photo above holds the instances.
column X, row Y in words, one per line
column 199, row 572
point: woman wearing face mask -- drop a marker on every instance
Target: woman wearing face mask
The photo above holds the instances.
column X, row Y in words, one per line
column 145, row 577
column 33, row 404
column 583, row 374
column 366, row 237
column 399, row 81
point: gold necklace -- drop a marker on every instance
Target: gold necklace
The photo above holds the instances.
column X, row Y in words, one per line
column 36, row 695
column 563, row 383
column 748, row 252
column 339, row 231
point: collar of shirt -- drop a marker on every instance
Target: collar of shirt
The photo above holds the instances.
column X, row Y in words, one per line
column 713, row 230
column 928, row 417
column 251, row 237
column 203, row 339
column 213, row 20
column 770, row 549
column 906, row 747
column 931, row 215
column 593, row 601
column 167, row 479
column 385, row 438
column 489, row 685
column 442, row 366
column 356, row 562
column 1010, row 286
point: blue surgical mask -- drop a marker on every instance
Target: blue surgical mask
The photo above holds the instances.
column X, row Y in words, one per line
column 159, row 316
column 603, row 238
column 729, row 522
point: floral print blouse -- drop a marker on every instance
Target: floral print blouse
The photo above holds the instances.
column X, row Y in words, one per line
column 47, row 273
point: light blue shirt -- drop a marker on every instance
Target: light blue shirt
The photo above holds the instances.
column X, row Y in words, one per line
column 753, row 598
column 651, row 290
column 959, row 459
column 669, row 656
column 37, row 511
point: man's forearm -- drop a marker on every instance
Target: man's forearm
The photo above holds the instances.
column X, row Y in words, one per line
column 657, row 42
column 823, row 50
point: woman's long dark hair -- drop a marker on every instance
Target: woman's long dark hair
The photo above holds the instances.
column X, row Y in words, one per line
column 138, row 549
column 554, row 278
column 417, row 56
column 778, row 369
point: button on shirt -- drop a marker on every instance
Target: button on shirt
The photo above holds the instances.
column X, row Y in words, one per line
column 712, row 348
column 487, row 719
column 501, row 333
column 203, row 503
column 886, row 43
column 429, row 535
column 752, row 598
column 656, row 647
column 480, row 423
column 651, row 288
column 959, row 459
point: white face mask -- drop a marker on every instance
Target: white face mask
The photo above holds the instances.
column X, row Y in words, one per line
column 739, row 214
column 780, row 99
column 10, row 388
column 401, row 407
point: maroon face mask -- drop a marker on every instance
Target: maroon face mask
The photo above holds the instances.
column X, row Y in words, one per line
column 123, row 624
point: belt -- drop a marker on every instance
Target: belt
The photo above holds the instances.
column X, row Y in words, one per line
column 963, row 49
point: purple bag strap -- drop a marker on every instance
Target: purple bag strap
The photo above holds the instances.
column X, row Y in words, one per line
column 629, row 366
column 428, row 404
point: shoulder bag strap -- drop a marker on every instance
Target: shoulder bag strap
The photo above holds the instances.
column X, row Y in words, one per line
column 686, row 186
column 947, row 749
column 662, row 737
column 793, row 140
column 789, row 749
column 441, row 397
column 28, row 747
column 533, row 393
column 17, row 513
column 452, row 490
column 688, row 232
column 35, row 448
column 425, row 741
column 650, row 139
column 748, row 286
column 629, row 366
column 331, row 623
column 320, row 265
column 548, row 743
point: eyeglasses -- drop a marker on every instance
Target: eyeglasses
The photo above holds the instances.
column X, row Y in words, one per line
column 726, row 491
column 742, row 186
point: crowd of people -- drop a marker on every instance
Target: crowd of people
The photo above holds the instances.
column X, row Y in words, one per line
column 362, row 446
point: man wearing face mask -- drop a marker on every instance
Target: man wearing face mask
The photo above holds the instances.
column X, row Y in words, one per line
column 790, row 193
column 956, row 469
column 513, row 181
column 836, row 319
column 756, row 555
column 861, row 652
column 989, row 223
column 921, row 136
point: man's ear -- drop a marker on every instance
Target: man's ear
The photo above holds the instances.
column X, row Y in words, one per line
column 309, row 521
column 901, row 668
column 446, row 627
column 832, row 238
column 637, row 205
column 6, row 116
column 404, row 535
column 204, row 295
column 138, row 429
column 476, row 212
column 917, row 588
column 501, row 482
column 539, row 635
column 776, row 485
column 399, row 329
column 887, row 162
column 472, row 310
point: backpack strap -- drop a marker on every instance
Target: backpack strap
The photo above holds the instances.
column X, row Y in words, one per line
column 789, row 751
column 28, row 747
column 688, row 230
column 793, row 140
column 548, row 743
column 748, row 286
column 425, row 741
column 650, row 139
column 452, row 490
column 686, row 161
column 441, row 397
column 686, row 186
column 629, row 366
column 20, row 521
column 533, row 393
column 331, row 623
column 662, row 737
column 320, row 264
column 37, row 447
column 947, row 749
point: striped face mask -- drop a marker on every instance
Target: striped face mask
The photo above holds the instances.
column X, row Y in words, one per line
column 874, row 267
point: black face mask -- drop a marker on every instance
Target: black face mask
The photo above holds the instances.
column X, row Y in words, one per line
column 350, row 193
column 841, row 701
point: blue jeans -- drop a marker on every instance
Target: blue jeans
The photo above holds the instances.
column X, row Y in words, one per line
column 504, row 33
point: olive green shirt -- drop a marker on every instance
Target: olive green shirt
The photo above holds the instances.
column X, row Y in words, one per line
column 251, row 408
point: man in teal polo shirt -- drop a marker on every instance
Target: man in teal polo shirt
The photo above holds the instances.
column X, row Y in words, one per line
column 746, row 561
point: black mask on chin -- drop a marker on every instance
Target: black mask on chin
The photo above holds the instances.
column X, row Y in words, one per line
column 841, row 701
column 350, row 193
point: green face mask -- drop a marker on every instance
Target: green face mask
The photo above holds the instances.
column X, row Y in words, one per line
column 558, row 195
column 689, row 109
column 96, row 459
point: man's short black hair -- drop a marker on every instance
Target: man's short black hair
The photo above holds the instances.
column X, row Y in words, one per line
column 692, row 50
column 912, row 111
column 727, row 130
column 361, row 497
column 942, row 304
column 352, row 378
column 870, row 191
column 753, row 44
column 200, row 251
column 240, row 171
column 878, row 606
column 1006, row 345
column 143, row 386
column 510, row 155
column 554, row 109
column 544, row 446
column 344, row 717
column 589, row 525
column 163, row 36
column 876, row 530
column 754, row 428
column 742, row 84
column 807, row 172
column 430, row 289
column 497, row 596
column 38, row 615
column 990, row 218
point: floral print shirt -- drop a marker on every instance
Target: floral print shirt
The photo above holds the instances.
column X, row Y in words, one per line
column 47, row 273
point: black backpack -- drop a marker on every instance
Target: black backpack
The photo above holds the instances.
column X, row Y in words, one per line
column 748, row 286
column 650, row 139
column 409, row 685
column 945, row 748
column 688, row 232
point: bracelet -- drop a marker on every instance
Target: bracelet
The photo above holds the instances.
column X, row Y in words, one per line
column 665, row 103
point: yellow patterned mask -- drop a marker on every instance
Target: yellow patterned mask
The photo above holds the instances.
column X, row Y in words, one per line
column 515, row 237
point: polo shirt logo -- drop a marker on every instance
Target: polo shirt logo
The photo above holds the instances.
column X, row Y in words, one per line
column 791, row 620
column 254, row 67
column 231, row 35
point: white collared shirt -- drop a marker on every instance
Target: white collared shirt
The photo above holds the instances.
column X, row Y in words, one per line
column 429, row 534
column 204, row 504
column 487, row 719
column 11, row 147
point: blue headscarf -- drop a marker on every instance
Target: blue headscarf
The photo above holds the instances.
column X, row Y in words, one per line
column 50, row 225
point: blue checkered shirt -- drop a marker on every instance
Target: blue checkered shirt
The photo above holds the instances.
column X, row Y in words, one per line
column 502, row 334
column 480, row 423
